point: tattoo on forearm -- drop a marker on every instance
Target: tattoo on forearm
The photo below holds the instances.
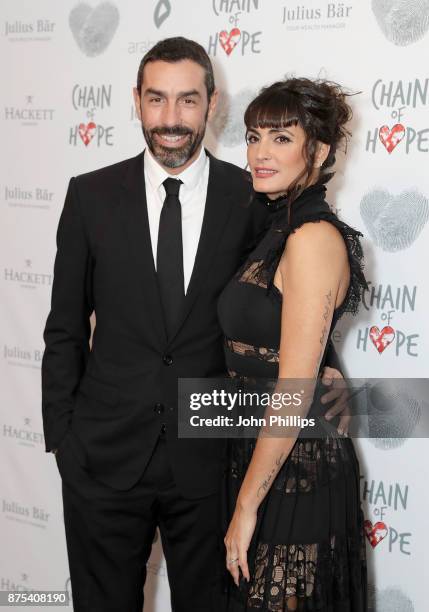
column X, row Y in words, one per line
column 327, row 309
column 267, row 482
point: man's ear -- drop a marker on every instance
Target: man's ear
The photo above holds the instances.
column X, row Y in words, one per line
column 213, row 104
column 137, row 103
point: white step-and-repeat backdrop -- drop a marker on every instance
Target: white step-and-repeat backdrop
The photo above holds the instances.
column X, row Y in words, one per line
column 67, row 72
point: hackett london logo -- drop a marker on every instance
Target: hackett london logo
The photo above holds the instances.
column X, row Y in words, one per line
column 26, row 277
column 386, row 501
column 36, row 197
column 12, row 584
column 331, row 15
column 32, row 515
column 27, row 31
column 394, row 134
column 90, row 100
column 385, row 336
column 29, row 113
column 23, row 434
column 93, row 28
column 232, row 37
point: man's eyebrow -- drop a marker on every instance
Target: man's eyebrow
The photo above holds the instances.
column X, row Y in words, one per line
column 154, row 92
column 191, row 92
column 182, row 94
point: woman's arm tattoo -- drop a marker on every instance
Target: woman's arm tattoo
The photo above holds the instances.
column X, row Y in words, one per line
column 267, row 482
column 327, row 308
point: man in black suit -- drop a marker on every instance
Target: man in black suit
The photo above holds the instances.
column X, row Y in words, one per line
column 147, row 244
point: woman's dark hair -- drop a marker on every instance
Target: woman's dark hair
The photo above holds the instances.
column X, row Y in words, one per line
column 177, row 49
column 318, row 106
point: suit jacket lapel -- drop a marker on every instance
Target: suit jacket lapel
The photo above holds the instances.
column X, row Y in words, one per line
column 216, row 213
column 133, row 210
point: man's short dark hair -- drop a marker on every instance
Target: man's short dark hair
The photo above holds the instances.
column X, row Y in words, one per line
column 175, row 50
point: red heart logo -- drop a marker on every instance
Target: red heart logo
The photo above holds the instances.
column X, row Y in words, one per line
column 86, row 132
column 375, row 533
column 381, row 339
column 229, row 41
column 391, row 137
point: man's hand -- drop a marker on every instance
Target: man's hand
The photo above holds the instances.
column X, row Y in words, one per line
column 338, row 392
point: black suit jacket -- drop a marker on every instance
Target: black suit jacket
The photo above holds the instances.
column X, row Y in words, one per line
column 112, row 399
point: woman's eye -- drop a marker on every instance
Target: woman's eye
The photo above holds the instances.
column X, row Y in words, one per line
column 283, row 139
column 251, row 139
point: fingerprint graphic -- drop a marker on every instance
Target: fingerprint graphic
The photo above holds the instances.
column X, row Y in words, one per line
column 394, row 222
column 391, row 599
column 93, row 28
column 228, row 124
column 403, row 22
column 393, row 414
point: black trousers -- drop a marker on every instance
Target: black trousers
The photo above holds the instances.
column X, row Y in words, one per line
column 109, row 535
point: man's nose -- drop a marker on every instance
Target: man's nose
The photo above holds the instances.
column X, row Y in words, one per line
column 171, row 115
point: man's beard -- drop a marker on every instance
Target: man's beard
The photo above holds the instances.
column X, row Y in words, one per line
column 173, row 157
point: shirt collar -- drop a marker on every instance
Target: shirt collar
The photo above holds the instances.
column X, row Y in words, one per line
column 190, row 177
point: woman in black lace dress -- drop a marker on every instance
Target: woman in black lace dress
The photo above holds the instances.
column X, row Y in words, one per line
column 292, row 515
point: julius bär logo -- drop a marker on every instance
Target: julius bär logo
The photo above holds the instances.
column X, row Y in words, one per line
column 31, row 515
column 93, row 28
column 389, row 301
column 232, row 37
column 396, row 135
column 18, row 197
column 19, row 356
column 162, row 12
column 403, row 22
column 326, row 16
column 29, row 113
column 26, row 31
column 91, row 100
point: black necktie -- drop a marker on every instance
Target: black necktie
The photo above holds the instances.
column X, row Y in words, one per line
column 169, row 255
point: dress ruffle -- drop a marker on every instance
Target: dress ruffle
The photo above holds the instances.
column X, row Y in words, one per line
column 310, row 206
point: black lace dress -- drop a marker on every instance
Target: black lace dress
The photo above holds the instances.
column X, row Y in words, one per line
column 308, row 548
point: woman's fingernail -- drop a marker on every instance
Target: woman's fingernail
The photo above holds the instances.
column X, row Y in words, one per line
column 328, row 416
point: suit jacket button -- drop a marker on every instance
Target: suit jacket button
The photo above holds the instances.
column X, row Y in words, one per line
column 159, row 408
column 167, row 359
column 163, row 428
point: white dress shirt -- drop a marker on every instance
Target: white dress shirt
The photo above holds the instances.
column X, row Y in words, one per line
column 192, row 196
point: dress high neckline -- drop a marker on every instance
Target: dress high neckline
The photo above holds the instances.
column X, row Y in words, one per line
column 282, row 201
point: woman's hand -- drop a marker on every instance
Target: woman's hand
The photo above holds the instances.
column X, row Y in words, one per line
column 237, row 540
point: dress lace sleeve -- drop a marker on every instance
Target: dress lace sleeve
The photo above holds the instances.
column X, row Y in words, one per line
column 263, row 261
